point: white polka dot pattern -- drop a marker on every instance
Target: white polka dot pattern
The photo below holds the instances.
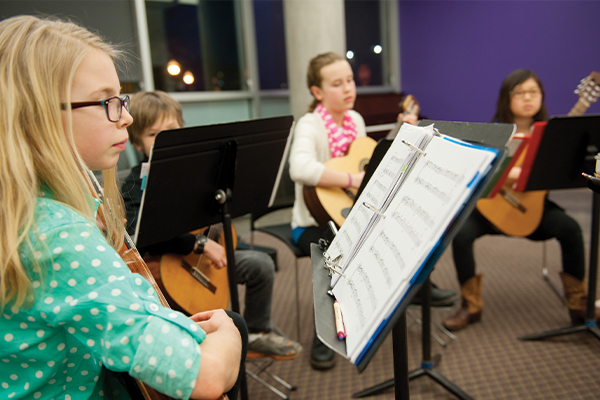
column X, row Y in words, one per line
column 90, row 311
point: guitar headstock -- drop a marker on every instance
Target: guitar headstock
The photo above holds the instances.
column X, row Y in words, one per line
column 589, row 89
column 409, row 105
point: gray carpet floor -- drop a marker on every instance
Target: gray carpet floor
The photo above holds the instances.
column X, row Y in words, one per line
column 486, row 360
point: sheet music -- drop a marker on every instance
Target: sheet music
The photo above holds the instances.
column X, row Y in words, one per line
column 398, row 245
column 392, row 169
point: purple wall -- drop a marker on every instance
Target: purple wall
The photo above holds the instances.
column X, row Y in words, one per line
column 455, row 54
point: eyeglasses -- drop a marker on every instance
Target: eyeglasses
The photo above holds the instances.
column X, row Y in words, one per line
column 112, row 106
column 520, row 94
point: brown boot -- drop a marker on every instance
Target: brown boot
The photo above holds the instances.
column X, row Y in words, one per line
column 472, row 303
column 576, row 297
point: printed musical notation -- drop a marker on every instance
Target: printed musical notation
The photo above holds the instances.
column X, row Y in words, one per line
column 418, row 192
column 377, row 193
column 438, row 181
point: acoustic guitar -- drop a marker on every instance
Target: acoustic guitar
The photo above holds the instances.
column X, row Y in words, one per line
column 333, row 203
column 136, row 264
column 329, row 203
column 519, row 213
column 192, row 283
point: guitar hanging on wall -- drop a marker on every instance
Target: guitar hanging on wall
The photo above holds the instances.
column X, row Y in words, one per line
column 519, row 213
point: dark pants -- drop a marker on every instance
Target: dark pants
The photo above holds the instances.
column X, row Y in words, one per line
column 555, row 223
column 241, row 325
column 256, row 270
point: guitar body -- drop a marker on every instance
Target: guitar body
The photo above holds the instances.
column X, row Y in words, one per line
column 327, row 204
column 188, row 292
column 512, row 220
column 514, row 213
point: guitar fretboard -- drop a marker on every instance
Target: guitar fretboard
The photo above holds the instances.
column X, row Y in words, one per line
column 579, row 108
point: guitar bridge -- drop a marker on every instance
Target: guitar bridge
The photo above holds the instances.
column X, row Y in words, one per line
column 512, row 200
column 199, row 276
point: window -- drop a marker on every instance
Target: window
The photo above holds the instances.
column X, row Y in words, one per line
column 367, row 42
column 270, row 44
column 364, row 42
column 195, row 45
column 112, row 23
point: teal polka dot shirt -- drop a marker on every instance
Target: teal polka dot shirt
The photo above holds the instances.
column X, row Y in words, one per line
column 89, row 313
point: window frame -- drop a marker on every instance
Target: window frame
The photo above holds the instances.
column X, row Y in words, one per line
column 249, row 60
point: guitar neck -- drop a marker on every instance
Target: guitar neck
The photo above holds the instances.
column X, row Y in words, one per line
column 579, row 108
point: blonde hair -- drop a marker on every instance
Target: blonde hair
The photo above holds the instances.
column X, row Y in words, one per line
column 313, row 75
column 38, row 59
column 147, row 108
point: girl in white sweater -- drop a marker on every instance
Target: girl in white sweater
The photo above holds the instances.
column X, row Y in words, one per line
column 325, row 131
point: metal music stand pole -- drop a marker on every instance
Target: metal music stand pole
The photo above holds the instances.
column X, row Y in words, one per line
column 223, row 194
column 427, row 364
column 401, row 375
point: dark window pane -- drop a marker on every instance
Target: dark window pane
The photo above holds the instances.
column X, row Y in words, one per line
column 113, row 23
column 201, row 39
column 363, row 34
column 270, row 44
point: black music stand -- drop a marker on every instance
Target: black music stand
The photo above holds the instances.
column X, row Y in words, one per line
column 567, row 149
column 209, row 174
column 492, row 135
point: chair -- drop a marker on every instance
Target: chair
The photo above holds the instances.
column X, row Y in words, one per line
column 417, row 320
column 557, row 289
column 261, row 366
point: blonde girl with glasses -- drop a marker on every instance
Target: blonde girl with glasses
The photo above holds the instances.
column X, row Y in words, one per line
column 520, row 102
column 70, row 309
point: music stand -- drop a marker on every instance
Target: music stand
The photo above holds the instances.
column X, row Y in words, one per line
column 493, row 135
column 195, row 172
column 567, row 149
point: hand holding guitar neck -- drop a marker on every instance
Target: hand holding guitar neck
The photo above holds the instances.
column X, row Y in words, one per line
column 410, row 110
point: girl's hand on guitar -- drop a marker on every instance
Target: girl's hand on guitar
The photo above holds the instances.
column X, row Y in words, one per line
column 357, row 179
column 409, row 118
column 211, row 321
column 410, row 110
column 513, row 175
column 215, row 253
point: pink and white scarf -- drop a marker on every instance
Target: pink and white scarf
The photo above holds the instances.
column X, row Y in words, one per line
column 339, row 139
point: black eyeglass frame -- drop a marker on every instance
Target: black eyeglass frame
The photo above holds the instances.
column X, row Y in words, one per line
column 125, row 102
